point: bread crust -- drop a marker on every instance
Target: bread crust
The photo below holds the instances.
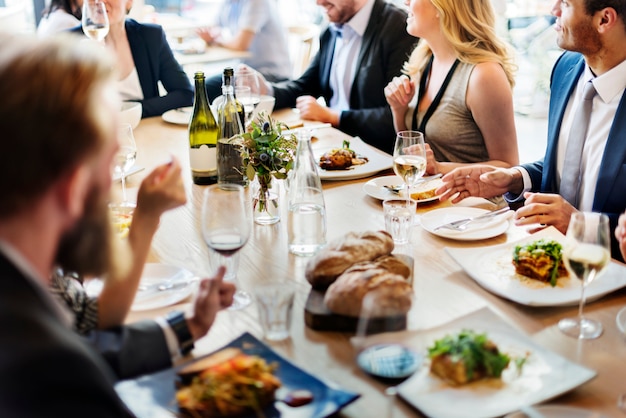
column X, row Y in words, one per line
column 340, row 254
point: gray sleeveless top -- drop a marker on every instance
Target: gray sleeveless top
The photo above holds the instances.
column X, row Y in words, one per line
column 451, row 131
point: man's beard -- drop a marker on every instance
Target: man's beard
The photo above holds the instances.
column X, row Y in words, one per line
column 92, row 248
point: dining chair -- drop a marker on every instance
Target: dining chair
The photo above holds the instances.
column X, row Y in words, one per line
column 303, row 44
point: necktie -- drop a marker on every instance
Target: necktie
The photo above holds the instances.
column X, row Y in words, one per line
column 570, row 180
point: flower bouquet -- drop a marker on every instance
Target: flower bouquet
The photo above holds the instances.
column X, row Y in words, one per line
column 266, row 154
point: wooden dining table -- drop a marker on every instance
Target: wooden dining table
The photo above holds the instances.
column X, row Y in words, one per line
column 443, row 291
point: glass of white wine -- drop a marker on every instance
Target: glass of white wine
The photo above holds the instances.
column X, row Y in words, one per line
column 95, row 20
column 409, row 158
column 125, row 158
column 249, row 78
column 586, row 254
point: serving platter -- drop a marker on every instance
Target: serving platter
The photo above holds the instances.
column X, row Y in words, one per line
column 378, row 161
column 492, row 268
column 153, row 395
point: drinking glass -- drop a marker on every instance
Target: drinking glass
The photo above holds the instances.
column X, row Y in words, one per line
column 409, row 158
column 125, row 158
column 95, row 20
column 226, row 229
column 586, row 254
column 245, row 77
column 243, row 95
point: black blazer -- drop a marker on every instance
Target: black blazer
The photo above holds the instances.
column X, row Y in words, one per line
column 609, row 196
column 48, row 370
column 386, row 46
column 155, row 62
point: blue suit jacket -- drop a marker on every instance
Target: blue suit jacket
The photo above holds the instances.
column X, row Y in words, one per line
column 610, row 195
column 155, row 62
column 385, row 48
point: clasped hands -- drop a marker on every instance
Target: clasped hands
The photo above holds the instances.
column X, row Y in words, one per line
column 540, row 210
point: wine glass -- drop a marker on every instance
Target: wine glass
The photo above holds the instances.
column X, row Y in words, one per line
column 226, row 229
column 125, row 158
column 409, row 158
column 243, row 95
column 95, row 20
column 249, row 78
column 586, row 254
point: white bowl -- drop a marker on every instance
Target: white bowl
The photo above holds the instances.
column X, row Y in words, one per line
column 266, row 105
column 131, row 113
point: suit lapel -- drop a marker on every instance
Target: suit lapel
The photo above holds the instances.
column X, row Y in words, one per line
column 613, row 158
column 327, row 59
column 563, row 83
column 140, row 56
column 368, row 37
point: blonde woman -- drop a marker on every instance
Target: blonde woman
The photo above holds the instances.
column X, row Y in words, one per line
column 457, row 86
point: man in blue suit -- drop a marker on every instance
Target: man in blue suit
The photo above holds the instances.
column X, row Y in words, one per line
column 360, row 52
column 594, row 34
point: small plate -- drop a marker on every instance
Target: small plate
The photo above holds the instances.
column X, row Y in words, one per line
column 376, row 187
column 556, row 411
column 378, row 161
column 544, row 375
column 155, row 274
column 153, row 395
column 492, row 228
column 620, row 320
column 180, row 116
column 492, row 268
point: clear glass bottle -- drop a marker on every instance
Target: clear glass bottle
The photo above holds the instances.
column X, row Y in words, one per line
column 306, row 223
column 229, row 112
column 203, row 134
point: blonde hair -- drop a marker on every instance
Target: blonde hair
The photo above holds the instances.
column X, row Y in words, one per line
column 469, row 25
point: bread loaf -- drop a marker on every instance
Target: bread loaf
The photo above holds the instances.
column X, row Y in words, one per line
column 343, row 253
column 390, row 293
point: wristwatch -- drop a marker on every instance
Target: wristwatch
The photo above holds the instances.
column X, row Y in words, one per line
column 178, row 322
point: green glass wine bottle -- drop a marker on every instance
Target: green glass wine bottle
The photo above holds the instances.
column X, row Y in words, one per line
column 229, row 162
column 203, row 135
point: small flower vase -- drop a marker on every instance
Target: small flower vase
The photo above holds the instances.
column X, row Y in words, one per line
column 265, row 203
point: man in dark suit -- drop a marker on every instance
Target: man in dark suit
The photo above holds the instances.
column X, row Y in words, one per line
column 594, row 33
column 350, row 71
column 60, row 116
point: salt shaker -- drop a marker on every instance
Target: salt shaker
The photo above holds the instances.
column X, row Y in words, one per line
column 306, row 223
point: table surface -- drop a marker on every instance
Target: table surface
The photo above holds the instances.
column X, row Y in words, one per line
column 443, row 291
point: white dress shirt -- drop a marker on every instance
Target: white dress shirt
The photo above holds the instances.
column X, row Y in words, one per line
column 610, row 88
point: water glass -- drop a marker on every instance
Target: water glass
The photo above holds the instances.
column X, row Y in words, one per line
column 275, row 307
column 399, row 218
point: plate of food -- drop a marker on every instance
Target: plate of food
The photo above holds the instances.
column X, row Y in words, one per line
column 179, row 116
column 433, row 220
column 281, row 389
column 389, row 186
column 478, row 366
column 163, row 285
column 535, row 280
column 352, row 160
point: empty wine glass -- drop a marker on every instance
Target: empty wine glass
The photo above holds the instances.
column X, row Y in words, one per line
column 95, row 20
column 226, row 229
column 242, row 93
column 249, row 78
column 125, row 158
column 586, row 254
column 409, row 158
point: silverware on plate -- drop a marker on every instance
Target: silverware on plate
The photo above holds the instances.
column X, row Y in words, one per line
column 395, row 188
column 462, row 224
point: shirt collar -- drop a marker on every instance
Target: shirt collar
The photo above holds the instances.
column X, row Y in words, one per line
column 609, row 84
column 26, row 268
column 359, row 21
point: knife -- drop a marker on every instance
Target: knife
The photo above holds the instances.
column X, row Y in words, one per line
column 460, row 224
column 153, row 289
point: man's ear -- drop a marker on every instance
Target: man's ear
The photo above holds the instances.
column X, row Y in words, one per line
column 74, row 188
column 608, row 18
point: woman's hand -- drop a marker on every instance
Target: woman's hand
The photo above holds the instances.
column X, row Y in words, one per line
column 399, row 93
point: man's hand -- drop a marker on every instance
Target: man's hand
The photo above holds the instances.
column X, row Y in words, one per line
column 310, row 109
column 546, row 210
column 620, row 234
column 213, row 296
column 480, row 181
column 264, row 85
column 208, row 35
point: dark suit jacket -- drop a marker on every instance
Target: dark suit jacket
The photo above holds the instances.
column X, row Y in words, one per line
column 48, row 370
column 610, row 197
column 386, row 46
column 155, row 62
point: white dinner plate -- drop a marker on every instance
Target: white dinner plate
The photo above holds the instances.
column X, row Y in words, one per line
column 556, row 411
column 543, row 376
column 483, row 230
column 492, row 268
column 376, row 187
column 155, row 274
column 378, row 161
column 180, row 116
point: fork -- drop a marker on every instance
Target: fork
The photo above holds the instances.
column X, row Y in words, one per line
column 461, row 224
